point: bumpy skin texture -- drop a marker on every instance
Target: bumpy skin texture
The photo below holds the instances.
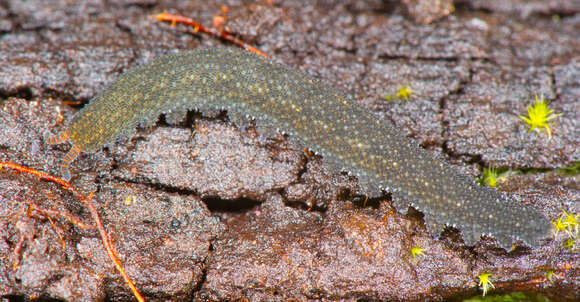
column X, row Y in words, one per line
column 348, row 137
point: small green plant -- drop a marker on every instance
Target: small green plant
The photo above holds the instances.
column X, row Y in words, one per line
column 417, row 251
column 551, row 275
column 570, row 243
column 572, row 169
column 571, row 220
column 404, row 93
column 539, row 116
column 559, row 225
column 490, row 177
column 568, row 223
column 485, row 283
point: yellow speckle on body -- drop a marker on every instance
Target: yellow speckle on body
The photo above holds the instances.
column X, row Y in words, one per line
column 131, row 199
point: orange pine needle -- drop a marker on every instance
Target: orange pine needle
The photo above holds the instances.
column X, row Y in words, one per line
column 167, row 17
column 111, row 252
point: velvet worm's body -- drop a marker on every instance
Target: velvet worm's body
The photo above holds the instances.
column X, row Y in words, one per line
column 323, row 119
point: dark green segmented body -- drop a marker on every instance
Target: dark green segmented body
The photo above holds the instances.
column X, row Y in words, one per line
column 348, row 137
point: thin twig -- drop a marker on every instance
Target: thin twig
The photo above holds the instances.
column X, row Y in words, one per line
column 174, row 19
column 94, row 214
column 68, row 216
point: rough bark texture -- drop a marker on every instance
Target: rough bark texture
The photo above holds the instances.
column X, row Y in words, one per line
column 229, row 214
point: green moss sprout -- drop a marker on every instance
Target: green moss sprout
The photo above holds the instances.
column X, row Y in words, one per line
column 539, row 116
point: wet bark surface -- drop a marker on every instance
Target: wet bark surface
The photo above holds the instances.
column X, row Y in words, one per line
column 205, row 210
